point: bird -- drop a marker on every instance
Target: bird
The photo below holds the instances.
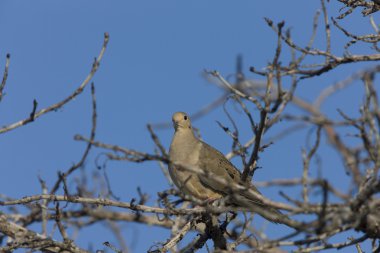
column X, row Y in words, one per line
column 187, row 150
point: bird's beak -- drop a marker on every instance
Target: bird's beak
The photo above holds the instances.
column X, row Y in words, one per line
column 175, row 125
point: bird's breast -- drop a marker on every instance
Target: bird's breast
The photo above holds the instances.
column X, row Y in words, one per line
column 184, row 151
column 186, row 156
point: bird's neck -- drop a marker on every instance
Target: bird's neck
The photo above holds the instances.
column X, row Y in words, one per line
column 184, row 142
column 185, row 135
column 184, row 147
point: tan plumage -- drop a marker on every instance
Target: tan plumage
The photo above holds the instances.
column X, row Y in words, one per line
column 188, row 150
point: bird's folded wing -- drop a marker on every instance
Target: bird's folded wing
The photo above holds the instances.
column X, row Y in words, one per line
column 215, row 165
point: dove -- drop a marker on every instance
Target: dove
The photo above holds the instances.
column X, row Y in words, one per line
column 187, row 150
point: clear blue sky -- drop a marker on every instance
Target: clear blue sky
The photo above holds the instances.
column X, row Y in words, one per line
column 152, row 68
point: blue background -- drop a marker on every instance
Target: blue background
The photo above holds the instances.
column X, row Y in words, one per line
column 152, row 67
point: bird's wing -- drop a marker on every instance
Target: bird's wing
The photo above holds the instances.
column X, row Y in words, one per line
column 213, row 162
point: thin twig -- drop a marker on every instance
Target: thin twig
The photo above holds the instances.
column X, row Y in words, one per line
column 58, row 105
column 5, row 76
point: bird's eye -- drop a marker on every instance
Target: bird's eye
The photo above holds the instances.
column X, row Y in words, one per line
column 185, row 117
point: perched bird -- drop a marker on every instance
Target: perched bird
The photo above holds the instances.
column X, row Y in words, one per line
column 188, row 150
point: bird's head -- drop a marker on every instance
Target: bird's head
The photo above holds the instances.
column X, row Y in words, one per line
column 181, row 121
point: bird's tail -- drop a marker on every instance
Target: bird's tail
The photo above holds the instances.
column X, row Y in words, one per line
column 251, row 202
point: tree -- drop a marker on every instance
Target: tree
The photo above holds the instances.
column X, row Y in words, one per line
column 325, row 209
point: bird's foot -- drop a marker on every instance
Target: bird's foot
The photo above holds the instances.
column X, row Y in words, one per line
column 214, row 201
